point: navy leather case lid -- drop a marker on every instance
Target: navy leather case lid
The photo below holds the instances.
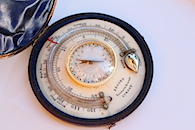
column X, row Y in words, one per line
column 20, row 23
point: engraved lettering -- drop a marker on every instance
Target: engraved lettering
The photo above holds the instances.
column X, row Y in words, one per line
column 90, row 109
column 75, row 107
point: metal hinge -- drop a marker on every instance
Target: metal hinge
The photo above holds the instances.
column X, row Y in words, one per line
column 112, row 125
column 34, row 41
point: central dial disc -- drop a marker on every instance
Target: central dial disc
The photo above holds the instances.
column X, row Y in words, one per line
column 91, row 63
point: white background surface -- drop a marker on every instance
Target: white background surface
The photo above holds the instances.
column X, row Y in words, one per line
column 168, row 27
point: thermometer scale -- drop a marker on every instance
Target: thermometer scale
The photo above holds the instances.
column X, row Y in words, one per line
column 90, row 69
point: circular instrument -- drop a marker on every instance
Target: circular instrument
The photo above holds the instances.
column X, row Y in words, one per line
column 90, row 69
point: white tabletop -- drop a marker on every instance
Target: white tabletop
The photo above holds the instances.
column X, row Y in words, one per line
column 168, row 27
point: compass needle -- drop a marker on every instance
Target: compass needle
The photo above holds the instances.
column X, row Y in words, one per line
column 86, row 79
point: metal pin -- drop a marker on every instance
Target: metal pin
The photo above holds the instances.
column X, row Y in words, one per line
column 101, row 94
column 122, row 54
column 132, row 50
column 105, row 106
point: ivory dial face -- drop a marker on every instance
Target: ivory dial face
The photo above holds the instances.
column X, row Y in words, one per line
column 91, row 63
column 85, row 62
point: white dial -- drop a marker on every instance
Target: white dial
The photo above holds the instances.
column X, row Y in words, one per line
column 86, row 61
column 91, row 63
